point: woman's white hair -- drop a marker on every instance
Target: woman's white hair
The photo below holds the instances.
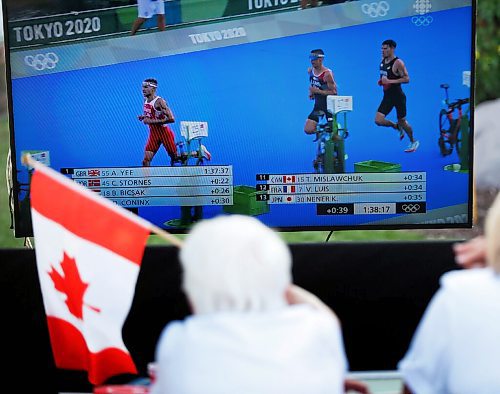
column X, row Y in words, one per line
column 235, row 263
column 492, row 232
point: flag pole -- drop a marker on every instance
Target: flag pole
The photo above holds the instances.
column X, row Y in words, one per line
column 167, row 236
column 28, row 160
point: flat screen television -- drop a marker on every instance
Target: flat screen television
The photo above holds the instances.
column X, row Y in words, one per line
column 237, row 77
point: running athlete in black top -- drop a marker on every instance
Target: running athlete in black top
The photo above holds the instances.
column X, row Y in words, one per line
column 322, row 84
column 393, row 73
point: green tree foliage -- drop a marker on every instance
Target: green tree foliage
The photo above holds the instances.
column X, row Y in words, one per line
column 487, row 50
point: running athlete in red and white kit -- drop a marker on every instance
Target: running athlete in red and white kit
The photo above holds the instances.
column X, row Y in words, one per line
column 156, row 115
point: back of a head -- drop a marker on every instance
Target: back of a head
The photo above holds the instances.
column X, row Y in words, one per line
column 492, row 231
column 390, row 43
column 235, row 263
column 318, row 52
column 151, row 81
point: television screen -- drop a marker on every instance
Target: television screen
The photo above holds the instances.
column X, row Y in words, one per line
column 345, row 115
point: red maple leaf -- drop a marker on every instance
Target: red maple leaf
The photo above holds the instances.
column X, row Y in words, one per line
column 72, row 285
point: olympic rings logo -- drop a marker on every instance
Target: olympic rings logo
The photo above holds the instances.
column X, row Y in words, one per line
column 422, row 20
column 42, row 61
column 376, row 9
column 410, row 208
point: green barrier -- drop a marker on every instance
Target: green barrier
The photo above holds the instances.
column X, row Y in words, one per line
column 200, row 10
column 85, row 24
column 95, row 23
column 51, row 29
column 238, row 7
column 126, row 17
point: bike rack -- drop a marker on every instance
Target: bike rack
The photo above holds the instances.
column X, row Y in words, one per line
column 191, row 132
column 449, row 138
column 330, row 157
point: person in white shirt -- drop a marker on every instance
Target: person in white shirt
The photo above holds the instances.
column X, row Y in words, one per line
column 456, row 348
column 146, row 9
column 252, row 331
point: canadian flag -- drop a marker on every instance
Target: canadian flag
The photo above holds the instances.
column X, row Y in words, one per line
column 288, row 178
column 88, row 252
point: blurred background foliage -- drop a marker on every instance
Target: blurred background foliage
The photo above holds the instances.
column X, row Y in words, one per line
column 487, row 50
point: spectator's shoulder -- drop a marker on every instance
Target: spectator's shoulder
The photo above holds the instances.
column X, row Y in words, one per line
column 460, row 280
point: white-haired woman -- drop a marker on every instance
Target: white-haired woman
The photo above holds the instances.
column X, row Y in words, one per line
column 252, row 332
column 456, row 348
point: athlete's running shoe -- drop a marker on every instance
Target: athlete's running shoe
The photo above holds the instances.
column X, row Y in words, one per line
column 205, row 153
column 413, row 146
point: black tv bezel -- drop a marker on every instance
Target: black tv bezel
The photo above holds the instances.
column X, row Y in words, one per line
column 19, row 232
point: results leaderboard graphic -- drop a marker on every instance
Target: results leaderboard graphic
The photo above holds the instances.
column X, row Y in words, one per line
column 134, row 187
column 348, row 194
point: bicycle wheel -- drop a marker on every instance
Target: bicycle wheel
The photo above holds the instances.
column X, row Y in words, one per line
column 446, row 140
column 458, row 142
column 319, row 164
column 460, row 138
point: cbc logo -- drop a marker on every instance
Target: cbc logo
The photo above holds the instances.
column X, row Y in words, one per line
column 376, row 9
column 422, row 20
column 42, row 61
column 422, row 6
column 410, row 208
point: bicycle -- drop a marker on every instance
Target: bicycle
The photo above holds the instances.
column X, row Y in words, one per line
column 449, row 126
column 330, row 155
column 187, row 150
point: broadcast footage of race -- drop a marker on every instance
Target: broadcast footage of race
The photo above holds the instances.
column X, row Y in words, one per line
column 341, row 116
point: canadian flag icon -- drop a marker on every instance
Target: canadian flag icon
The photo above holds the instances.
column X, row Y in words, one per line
column 288, row 178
